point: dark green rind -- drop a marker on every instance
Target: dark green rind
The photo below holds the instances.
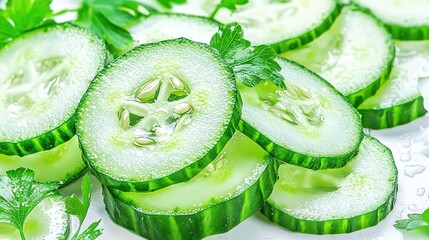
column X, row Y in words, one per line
column 394, row 116
column 335, row 226
column 216, row 219
column 309, row 36
column 73, row 176
column 60, row 134
column 183, row 174
column 46, row 141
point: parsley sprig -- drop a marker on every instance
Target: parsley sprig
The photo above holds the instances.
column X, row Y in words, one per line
column 414, row 221
column 250, row 64
column 228, row 4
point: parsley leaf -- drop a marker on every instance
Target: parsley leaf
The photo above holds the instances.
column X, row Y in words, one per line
column 250, row 64
column 79, row 208
column 414, row 221
column 229, row 4
column 22, row 15
column 20, row 195
column 168, row 3
column 108, row 19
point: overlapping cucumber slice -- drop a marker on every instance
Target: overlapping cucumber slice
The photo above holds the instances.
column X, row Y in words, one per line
column 284, row 25
column 309, row 124
column 405, row 19
column 398, row 101
column 44, row 74
column 61, row 164
column 48, row 221
column 230, row 189
column 158, row 115
column 355, row 55
column 333, row 201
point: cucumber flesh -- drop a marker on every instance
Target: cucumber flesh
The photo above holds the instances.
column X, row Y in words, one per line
column 226, row 192
column 168, row 107
column 61, row 164
column 310, row 124
column 48, row 221
column 335, row 201
column 406, row 19
column 398, row 101
column 355, row 55
column 45, row 72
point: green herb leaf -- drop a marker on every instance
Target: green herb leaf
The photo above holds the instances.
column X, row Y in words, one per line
column 229, row 4
column 169, row 3
column 414, row 221
column 23, row 15
column 79, row 208
column 109, row 18
column 20, row 195
column 250, row 64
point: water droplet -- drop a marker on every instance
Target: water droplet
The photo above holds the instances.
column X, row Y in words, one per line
column 407, row 141
column 420, row 192
column 412, row 170
column 405, row 157
column 412, row 207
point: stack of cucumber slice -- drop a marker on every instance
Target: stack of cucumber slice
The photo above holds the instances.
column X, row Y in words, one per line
column 45, row 72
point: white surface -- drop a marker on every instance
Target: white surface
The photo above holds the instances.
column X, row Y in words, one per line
column 409, row 144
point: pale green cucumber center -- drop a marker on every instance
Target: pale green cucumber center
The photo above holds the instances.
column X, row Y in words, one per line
column 351, row 55
column 411, row 63
column 237, row 168
column 56, row 165
column 360, row 187
column 48, row 221
column 406, row 13
column 307, row 117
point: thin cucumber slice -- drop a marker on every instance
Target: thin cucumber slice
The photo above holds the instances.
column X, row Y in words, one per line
column 284, row 25
column 48, row 221
column 159, row 27
column 310, row 124
column 355, row 55
column 158, row 115
column 229, row 190
column 44, row 74
column 61, row 164
column 333, row 201
column 405, row 19
column 398, row 101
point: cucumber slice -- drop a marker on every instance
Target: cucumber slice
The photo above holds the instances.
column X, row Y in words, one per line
column 310, row 124
column 398, row 101
column 158, row 115
column 44, row 74
column 333, row 201
column 61, row 164
column 159, row 27
column 355, row 55
column 229, row 190
column 284, row 25
column 48, row 221
column 405, row 19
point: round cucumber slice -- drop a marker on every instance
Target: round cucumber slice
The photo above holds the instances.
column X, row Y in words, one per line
column 284, row 25
column 333, row 201
column 310, row 124
column 44, row 74
column 405, row 19
column 61, row 164
column 48, row 221
column 398, row 101
column 355, row 55
column 159, row 27
column 158, row 115
column 229, row 190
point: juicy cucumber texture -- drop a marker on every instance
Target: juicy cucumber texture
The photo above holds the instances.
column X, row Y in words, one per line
column 62, row 164
column 355, row 55
column 229, row 190
column 158, row 115
column 45, row 72
column 334, row 201
column 310, row 124
column 48, row 221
